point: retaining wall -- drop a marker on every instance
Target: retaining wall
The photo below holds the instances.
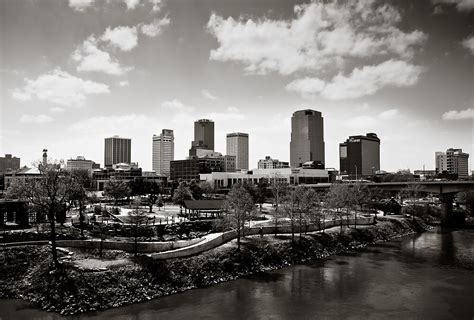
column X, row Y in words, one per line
column 230, row 235
column 142, row 247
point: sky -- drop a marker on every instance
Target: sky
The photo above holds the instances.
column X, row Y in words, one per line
column 73, row 72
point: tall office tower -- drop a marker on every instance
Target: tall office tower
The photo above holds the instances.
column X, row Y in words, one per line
column 457, row 162
column 117, row 150
column 441, row 162
column 359, row 156
column 163, row 152
column 307, row 138
column 238, row 146
column 203, row 136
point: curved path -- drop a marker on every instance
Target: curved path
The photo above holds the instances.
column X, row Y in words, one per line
column 214, row 240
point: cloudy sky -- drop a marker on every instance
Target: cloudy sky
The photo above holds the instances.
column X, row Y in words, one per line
column 73, row 72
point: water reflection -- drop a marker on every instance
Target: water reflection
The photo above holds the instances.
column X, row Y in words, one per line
column 427, row 276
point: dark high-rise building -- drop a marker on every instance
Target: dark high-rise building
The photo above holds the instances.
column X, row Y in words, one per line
column 307, row 138
column 189, row 169
column 359, row 156
column 9, row 163
column 117, row 150
column 203, row 136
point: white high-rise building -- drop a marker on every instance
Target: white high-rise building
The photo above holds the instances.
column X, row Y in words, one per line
column 238, row 146
column 163, row 152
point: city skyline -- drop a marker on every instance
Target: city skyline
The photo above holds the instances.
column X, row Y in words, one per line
column 170, row 66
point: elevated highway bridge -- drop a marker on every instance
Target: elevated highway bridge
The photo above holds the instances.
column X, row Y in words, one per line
column 445, row 189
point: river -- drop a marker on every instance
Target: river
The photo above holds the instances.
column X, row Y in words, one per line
column 426, row 276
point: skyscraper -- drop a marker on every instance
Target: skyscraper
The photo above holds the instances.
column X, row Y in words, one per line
column 117, row 150
column 203, row 136
column 238, row 146
column 359, row 156
column 307, row 137
column 163, row 152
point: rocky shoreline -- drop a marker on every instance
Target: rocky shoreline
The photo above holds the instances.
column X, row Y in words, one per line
column 72, row 291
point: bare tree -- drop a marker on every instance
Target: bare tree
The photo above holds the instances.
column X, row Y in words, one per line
column 239, row 204
column 336, row 199
column 137, row 219
column 50, row 193
column 279, row 187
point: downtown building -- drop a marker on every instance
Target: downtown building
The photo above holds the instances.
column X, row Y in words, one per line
column 203, row 136
column 359, row 156
column 189, row 169
column 8, row 163
column 117, row 150
column 163, row 152
column 291, row 176
column 453, row 161
column 81, row 163
column 307, row 138
column 269, row 163
column 237, row 144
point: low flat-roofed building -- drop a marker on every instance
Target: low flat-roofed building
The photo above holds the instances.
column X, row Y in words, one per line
column 269, row 163
column 80, row 163
column 292, row 176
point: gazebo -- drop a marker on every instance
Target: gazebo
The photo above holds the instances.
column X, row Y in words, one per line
column 210, row 208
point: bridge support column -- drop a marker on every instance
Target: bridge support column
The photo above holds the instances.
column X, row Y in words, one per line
column 447, row 209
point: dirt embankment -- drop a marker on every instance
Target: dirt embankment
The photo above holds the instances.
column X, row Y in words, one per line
column 25, row 272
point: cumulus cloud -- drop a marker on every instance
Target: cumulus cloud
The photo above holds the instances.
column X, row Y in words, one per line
column 461, row 5
column 321, row 35
column 90, row 58
column 307, row 86
column 468, row 43
column 80, row 5
column 388, row 114
column 40, row 118
column 59, row 87
column 122, row 37
column 176, row 106
column 124, row 83
column 360, row 82
column 208, row 95
column 156, row 5
column 131, row 4
column 153, row 29
column 459, row 115
column 370, row 122
column 57, row 109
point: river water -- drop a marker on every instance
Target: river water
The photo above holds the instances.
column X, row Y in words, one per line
column 427, row 276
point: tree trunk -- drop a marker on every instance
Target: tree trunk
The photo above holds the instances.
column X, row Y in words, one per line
column 53, row 239
column 238, row 236
column 151, row 208
column 81, row 219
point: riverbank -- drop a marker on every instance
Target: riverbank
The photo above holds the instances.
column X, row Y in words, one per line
column 72, row 291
